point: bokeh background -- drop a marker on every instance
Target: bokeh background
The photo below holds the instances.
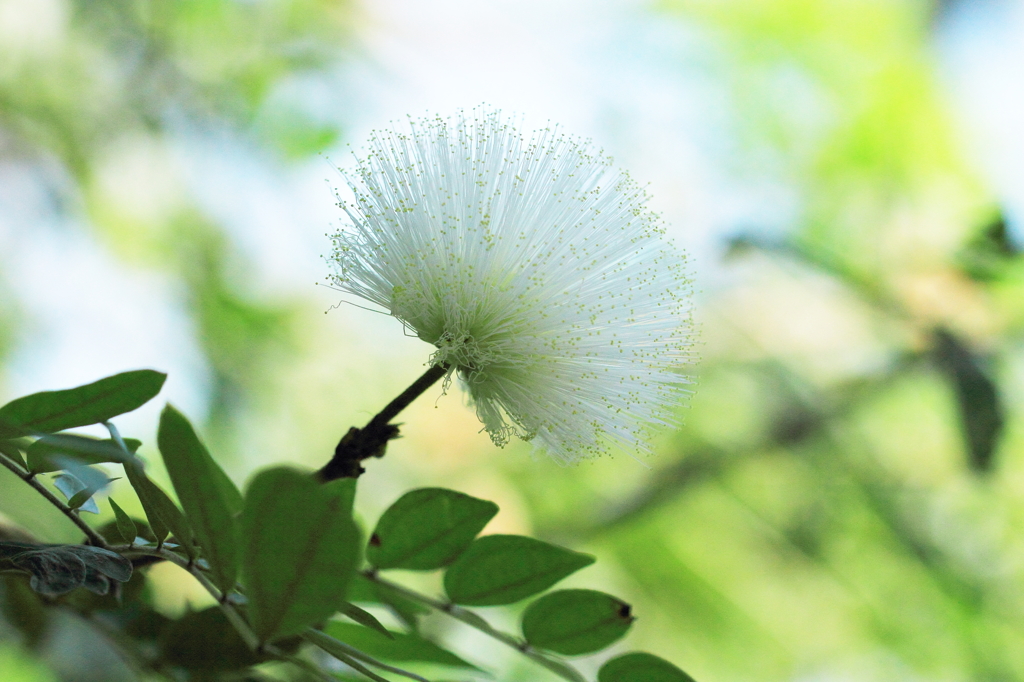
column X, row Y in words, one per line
column 844, row 501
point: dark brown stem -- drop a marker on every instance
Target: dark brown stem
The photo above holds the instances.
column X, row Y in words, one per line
column 372, row 439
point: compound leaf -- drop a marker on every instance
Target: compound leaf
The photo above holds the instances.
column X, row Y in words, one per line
column 300, row 550
column 199, row 482
column 503, row 569
column 573, row 622
column 427, row 529
column 93, row 403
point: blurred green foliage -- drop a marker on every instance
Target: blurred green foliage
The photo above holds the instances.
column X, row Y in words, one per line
column 92, row 92
column 843, row 501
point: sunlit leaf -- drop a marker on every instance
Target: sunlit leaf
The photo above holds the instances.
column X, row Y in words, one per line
column 300, row 550
column 503, row 569
column 200, row 485
column 427, row 529
column 641, row 667
column 573, row 622
column 93, row 403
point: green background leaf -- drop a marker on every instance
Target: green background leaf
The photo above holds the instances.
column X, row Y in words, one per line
column 641, row 667
column 502, row 569
column 400, row 648
column 164, row 516
column 573, row 622
column 300, row 550
column 427, row 529
column 125, row 526
column 204, row 642
column 93, row 403
column 199, row 482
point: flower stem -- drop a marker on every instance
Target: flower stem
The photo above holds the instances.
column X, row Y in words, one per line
column 372, row 439
column 94, row 538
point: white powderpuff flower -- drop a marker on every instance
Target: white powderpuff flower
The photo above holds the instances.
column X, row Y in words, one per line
column 533, row 267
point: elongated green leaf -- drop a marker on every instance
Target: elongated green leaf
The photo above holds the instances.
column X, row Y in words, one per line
column 58, row 451
column 400, row 648
column 364, row 618
column 13, row 450
column 93, row 403
column 427, row 529
column 54, row 452
column 125, row 526
column 300, row 549
column 228, row 490
column 502, row 569
column 164, row 516
column 199, row 483
column 573, row 622
column 641, row 667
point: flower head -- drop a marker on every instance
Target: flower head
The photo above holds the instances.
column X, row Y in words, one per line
column 535, row 270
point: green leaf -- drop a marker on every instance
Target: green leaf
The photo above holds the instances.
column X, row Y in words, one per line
column 573, row 622
column 502, row 569
column 400, row 648
column 364, row 618
column 641, row 667
column 300, row 550
column 125, row 526
column 79, row 492
column 164, row 516
column 427, row 529
column 55, row 452
column 205, row 642
column 344, row 488
column 228, row 489
column 12, row 449
column 80, row 498
column 93, row 403
column 202, row 495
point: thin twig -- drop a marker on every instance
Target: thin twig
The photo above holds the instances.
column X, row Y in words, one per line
column 372, row 439
column 94, row 538
column 471, row 619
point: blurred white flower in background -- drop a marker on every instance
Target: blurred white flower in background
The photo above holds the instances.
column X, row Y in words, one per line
column 536, row 271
